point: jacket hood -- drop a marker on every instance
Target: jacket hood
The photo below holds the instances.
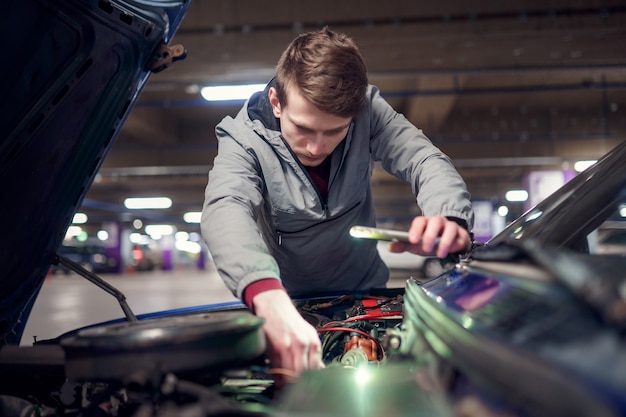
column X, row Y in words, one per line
column 259, row 108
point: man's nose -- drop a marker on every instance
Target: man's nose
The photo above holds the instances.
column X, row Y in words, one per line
column 315, row 146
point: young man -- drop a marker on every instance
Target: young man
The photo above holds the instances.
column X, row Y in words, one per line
column 292, row 175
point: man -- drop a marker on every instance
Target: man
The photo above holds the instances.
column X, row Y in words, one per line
column 292, row 175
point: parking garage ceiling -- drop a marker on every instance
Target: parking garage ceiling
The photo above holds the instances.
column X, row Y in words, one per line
column 503, row 88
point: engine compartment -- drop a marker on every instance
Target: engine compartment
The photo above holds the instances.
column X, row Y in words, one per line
column 197, row 364
column 470, row 343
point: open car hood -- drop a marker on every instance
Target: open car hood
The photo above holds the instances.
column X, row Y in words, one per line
column 558, row 221
column 72, row 72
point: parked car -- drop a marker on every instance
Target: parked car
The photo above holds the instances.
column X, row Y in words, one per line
column 92, row 258
column 531, row 324
column 144, row 258
column 422, row 266
column 612, row 239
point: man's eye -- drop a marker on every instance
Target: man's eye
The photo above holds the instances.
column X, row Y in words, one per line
column 336, row 132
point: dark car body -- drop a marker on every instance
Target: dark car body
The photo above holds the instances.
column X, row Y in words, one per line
column 530, row 324
column 535, row 322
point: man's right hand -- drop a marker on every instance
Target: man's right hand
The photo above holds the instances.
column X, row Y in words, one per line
column 294, row 344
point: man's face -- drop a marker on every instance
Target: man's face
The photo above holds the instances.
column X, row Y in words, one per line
column 311, row 133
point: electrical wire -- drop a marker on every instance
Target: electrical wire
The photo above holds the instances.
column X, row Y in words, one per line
column 373, row 315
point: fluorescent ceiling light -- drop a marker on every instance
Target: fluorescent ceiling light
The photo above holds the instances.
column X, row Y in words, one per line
column 79, row 218
column 188, row 246
column 516, row 195
column 147, row 203
column 230, row 92
column 580, row 166
column 73, row 231
column 156, row 231
column 192, row 216
column 139, row 239
column 182, row 235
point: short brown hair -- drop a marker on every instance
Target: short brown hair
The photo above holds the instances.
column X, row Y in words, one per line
column 328, row 69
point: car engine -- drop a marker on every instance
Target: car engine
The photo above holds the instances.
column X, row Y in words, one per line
column 197, row 364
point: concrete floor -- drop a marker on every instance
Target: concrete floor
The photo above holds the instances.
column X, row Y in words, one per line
column 67, row 302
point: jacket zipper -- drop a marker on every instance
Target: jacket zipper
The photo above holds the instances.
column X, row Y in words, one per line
column 319, row 195
column 280, row 233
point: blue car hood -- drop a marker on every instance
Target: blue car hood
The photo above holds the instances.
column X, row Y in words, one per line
column 72, row 71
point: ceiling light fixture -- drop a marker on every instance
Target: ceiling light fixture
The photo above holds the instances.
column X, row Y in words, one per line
column 192, row 216
column 138, row 203
column 73, row 231
column 230, row 92
column 516, row 195
column 580, row 166
column 79, row 218
column 139, row 239
column 156, row 231
column 188, row 246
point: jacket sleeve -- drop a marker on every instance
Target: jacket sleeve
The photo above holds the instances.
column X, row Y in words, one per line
column 232, row 202
column 406, row 152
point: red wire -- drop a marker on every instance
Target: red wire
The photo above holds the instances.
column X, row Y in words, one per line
column 363, row 317
column 373, row 315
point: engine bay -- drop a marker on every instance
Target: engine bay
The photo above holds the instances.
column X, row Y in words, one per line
column 468, row 343
column 197, row 364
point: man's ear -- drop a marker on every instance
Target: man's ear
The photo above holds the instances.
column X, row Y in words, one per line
column 273, row 96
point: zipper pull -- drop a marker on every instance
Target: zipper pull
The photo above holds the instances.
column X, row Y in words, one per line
column 280, row 239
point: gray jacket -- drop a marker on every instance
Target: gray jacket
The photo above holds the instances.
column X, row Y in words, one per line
column 264, row 218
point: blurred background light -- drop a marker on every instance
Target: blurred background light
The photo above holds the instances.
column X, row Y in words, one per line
column 137, row 203
column 79, row 218
column 516, row 195
column 157, row 231
column 73, row 231
column 187, row 246
column 192, row 216
column 82, row 236
column 139, row 239
column 181, row 236
column 230, row 92
column 580, row 166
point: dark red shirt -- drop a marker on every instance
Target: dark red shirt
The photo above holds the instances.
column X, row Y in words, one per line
column 321, row 175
